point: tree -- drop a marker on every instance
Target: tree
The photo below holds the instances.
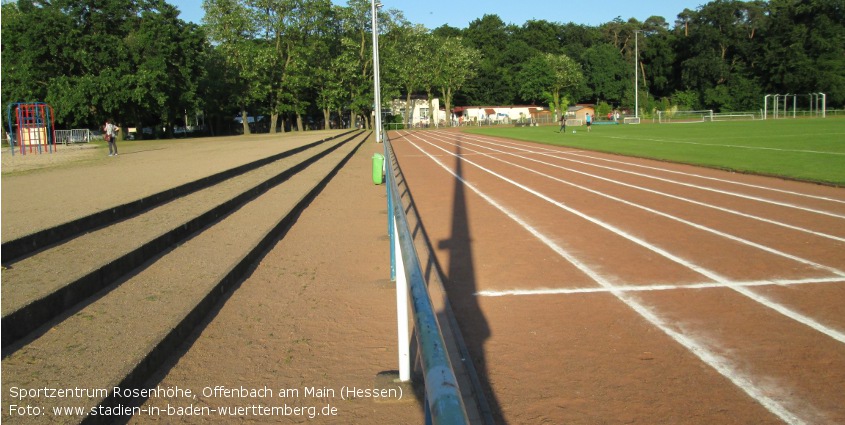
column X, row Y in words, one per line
column 490, row 36
column 328, row 73
column 534, row 79
column 130, row 60
column 167, row 57
column 551, row 77
column 718, row 54
column 412, row 48
column 356, row 51
column 229, row 26
column 566, row 77
column 451, row 75
column 805, row 48
column 607, row 73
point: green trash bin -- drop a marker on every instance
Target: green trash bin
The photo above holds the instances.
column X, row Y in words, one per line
column 378, row 168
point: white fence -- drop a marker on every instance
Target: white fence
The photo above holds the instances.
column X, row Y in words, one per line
column 67, row 137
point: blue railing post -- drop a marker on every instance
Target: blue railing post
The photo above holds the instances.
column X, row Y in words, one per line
column 388, row 171
column 443, row 401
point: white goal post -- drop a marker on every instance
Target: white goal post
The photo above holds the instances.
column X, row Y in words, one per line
column 734, row 116
column 574, row 122
column 671, row 117
column 812, row 104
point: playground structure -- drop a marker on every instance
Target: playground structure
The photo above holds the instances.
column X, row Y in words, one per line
column 32, row 129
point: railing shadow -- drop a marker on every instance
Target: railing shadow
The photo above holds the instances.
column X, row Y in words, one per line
column 461, row 285
column 459, row 282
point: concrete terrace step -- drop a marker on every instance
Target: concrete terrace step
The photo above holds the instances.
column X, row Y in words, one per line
column 122, row 337
column 39, row 287
column 22, row 244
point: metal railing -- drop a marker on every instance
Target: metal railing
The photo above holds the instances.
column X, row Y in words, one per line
column 443, row 401
column 74, row 136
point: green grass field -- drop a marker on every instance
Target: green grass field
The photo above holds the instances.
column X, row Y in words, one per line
column 803, row 149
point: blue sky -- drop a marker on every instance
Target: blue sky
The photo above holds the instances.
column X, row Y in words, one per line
column 459, row 13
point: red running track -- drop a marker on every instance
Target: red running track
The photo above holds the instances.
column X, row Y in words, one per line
column 594, row 288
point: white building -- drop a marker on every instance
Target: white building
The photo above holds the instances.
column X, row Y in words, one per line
column 420, row 116
column 467, row 115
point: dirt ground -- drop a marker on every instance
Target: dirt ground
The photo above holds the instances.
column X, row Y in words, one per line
column 42, row 190
column 632, row 335
column 315, row 321
column 318, row 313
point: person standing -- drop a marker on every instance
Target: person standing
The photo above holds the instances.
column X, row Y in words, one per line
column 562, row 124
column 110, row 131
column 589, row 122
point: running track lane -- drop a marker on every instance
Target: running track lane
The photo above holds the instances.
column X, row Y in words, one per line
column 598, row 288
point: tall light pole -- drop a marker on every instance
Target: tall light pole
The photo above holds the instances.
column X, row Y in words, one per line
column 376, row 71
column 636, row 76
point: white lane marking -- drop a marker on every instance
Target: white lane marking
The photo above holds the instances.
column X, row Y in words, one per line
column 582, row 154
column 761, row 148
column 753, row 186
column 645, row 189
column 806, row 320
column 658, row 287
column 720, row 364
column 653, row 211
column 705, row 188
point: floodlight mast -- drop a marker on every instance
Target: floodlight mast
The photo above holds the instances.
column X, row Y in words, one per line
column 376, row 71
column 636, row 76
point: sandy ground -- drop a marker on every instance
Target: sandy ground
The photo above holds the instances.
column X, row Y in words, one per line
column 43, row 190
column 315, row 322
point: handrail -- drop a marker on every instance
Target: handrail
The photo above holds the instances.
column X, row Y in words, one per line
column 444, row 404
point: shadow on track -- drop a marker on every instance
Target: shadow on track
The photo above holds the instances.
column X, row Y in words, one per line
column 461, row 286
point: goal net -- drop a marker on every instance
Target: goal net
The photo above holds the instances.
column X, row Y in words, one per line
column 669, row 117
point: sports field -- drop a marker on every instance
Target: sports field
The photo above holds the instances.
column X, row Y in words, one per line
column 804, row 149
column 599, row 288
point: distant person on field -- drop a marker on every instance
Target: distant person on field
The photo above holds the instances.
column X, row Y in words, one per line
column 110, row 131
column 562, row 124
column 589, row 122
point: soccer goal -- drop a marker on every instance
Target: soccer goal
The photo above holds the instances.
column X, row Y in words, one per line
column 675, row 117
column 734, row 116
column 574, row 122
column 807, row 105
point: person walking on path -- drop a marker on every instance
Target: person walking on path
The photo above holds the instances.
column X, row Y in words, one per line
column 110, row 131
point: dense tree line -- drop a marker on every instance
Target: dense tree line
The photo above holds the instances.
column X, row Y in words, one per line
column 308, row 63
column 725, row 56
column 131, row 60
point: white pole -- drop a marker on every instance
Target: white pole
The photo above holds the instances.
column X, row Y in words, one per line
column 402, row 311
column 636, row 77
column 376, row 72
column 766, row 106
column 824, row 105
column 785, row 98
